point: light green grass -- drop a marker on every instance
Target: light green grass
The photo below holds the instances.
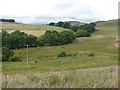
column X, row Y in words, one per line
column 51, row 65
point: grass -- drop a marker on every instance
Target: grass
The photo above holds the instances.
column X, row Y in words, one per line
column 89, row 78
column 51, row 65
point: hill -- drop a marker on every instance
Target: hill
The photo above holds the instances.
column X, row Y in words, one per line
column 75, row 22
column 36, row 30
column 105, row 37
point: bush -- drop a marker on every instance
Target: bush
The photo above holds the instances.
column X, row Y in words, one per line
column 36, row 61
column 62, row 54
column 91, row 54
column 15, row 59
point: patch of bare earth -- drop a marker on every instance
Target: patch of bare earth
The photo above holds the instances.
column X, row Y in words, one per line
column 92, row 37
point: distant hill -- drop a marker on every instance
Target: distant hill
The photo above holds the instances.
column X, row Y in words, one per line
column 75, row 22
column 7, row 20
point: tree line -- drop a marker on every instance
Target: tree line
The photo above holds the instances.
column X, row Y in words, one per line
column 17, row 39
column 80, row 30
column 7, row 20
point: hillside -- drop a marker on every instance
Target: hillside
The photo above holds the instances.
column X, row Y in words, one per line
column 75, row 22
column 36, row 30
column 103, row 42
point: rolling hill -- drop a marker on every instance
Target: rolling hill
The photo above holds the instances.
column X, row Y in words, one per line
column 36, row 30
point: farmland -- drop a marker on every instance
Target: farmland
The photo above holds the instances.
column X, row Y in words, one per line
column 59, row 72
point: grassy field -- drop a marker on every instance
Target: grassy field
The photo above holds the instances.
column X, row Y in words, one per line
column 69, row 72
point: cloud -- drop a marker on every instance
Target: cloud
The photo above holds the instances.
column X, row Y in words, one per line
column 44, row 11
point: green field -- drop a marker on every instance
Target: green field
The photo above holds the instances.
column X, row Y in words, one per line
column 69, row 72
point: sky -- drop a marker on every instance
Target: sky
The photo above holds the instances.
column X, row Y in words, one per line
column 45, row 11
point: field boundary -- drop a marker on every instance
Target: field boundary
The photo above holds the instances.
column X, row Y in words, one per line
column 71, row 57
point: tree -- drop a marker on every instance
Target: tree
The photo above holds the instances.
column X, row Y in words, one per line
column 59, row 24
column 82, row 33
column 74, row 28
column 67, row 37
column 51, row 38
column 62, row 54
column 66, row 25
column 6, row 54
column 52, row 24
column 31, row 40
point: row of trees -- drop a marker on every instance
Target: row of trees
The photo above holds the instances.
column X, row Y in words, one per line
column 61, row 24
column 80, row 30
column 7, row 20
column 51, row 38
column 18, row 40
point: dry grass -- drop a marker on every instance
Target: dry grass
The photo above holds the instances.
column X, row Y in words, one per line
column 105, row 77
column 30, row 32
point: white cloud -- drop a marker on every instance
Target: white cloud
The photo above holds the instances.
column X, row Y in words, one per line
column 30, row 11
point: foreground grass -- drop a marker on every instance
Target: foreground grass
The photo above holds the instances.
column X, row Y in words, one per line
column 51, row 65
column 106, row 77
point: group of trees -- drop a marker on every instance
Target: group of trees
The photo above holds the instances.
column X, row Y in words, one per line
column 61, row 24
column 81, row 31
column 7, row 20
column 51, row 38
column 18, row 39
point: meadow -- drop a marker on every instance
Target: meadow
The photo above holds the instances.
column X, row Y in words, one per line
column 68, row 72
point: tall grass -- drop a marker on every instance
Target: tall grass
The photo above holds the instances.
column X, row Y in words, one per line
column 91, row 78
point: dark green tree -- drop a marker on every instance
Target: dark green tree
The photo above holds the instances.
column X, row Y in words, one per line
column 52, row 24
column 66, row 25
column 59, row 24
column 6, row 54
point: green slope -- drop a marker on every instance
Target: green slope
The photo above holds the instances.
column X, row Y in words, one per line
column 103, row 42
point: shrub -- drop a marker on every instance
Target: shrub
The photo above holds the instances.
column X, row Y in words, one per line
column 15, row 59
column 91, row 54
column 62, row 54
column 36, row 61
